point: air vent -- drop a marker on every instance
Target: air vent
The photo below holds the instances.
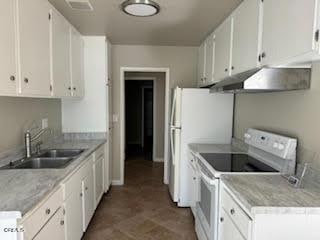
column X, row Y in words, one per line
column 82, row 5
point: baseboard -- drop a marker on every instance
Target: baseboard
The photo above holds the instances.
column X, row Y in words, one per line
column 158, row 160
column 116, row 183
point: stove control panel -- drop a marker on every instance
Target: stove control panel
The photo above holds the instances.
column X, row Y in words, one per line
column 278, row 145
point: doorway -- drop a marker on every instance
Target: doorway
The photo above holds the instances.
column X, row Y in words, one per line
column 151, row 143
column 139, row 118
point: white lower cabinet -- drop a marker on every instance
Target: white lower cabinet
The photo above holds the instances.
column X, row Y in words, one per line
column 276, row 224
column 227, row 229
column 88, row 200
column 66, row 213
column 73, row 214
column 99, row 170
column 42, row 215
column 54, row 229
column 234, row 223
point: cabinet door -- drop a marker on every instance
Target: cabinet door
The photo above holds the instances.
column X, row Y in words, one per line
column 99, row 169
column 288, row 29
column 77, row 64
column 54, row 228
column 34, row 47
column 246, row 36
column 87, row 199
column 223, row 36
column 201, row 63
column 227, row 229
column 60, row 56
column 209, row 69
column 8, row 70
column 73, row 215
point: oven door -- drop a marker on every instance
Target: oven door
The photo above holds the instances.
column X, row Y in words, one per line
column 207, row 203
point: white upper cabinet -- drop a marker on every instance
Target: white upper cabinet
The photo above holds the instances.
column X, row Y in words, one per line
column 246, row 36
column 223, row 40
column 77, row 77
column 209, row 69
column 34, row 47
column 60, row 55
column 206, row 62
column 8, row 66
column 289, row 31
column 201, row 63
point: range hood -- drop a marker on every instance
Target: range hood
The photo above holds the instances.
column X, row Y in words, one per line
column 265, row 80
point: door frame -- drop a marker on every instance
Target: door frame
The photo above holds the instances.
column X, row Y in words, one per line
column 123, row 70
column 153, row 120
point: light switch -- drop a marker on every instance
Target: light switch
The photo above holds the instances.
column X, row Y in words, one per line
column 115, row 117
column 45, row 123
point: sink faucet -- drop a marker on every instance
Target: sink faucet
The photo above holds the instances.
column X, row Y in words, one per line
column 29, row 139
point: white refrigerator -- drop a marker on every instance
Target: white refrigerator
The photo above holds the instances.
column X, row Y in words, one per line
column 197, row 116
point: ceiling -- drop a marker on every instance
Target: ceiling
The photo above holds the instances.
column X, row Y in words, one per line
column 179, row 23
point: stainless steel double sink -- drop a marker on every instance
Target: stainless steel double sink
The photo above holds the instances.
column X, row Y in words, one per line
column 53, row 158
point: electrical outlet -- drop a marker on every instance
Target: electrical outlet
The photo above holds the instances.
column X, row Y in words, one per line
column 45, row 123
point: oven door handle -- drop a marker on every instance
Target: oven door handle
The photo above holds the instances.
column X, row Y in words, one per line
column 207, row 179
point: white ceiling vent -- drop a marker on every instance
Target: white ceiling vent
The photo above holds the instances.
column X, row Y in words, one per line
column 82, row 5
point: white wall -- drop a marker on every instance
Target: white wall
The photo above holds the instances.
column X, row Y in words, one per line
column 17, row 114
column 90, row 113
column 182, row 62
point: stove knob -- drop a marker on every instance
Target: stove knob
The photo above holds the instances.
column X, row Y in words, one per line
column 281, row 146
column 275, row 145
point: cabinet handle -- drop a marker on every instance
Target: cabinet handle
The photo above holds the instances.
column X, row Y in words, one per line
column 194, row 178
column 221, row 219
column 81, row 194
column 74, row 88
column 226, row 70
column 12, row 78
column 64, row 211
column 86, row 188
column 69, row 88
column 62, row 222
column 48, row 211
column 232, row 68
column 232, row 211
column 26, row 80
column 263, row 55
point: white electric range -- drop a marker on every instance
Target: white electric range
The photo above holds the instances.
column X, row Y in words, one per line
column 267, row 153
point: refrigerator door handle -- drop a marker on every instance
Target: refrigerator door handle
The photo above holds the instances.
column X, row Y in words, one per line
column 172, row 146
column 173, row 109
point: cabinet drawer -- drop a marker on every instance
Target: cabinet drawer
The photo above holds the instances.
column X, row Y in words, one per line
column 99, row 153
column 37, row 219
column 237, row 215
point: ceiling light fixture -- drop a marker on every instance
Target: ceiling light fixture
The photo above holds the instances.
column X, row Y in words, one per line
column 140, row 8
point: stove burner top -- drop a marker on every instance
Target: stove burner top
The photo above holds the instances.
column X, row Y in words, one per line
column 230, row 162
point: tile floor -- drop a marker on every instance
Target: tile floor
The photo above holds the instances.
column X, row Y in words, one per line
column 141, row 209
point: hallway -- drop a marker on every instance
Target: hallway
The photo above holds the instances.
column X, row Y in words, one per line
column 141, row 209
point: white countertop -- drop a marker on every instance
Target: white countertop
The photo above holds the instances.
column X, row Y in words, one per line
column 272, row 194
